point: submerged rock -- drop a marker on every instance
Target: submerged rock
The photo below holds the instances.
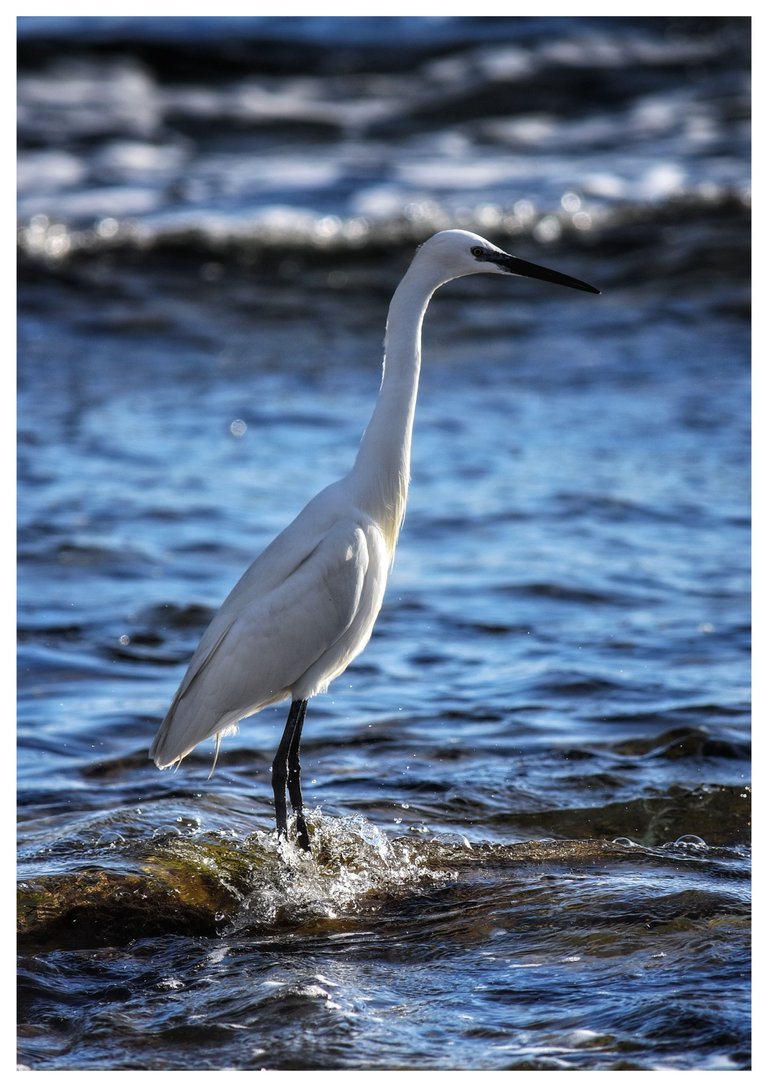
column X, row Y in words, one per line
column 181, row 885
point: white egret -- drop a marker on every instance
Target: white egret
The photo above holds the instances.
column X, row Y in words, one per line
column 307, row 605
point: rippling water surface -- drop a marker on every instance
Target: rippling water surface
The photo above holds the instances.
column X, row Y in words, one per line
column 529, row 797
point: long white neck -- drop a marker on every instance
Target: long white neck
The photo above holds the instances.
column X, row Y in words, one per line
column 383, row 465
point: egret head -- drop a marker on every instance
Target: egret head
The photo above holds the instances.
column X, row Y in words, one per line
column 456, row 253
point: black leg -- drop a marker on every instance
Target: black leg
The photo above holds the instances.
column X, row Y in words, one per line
column 287, row 770
column 294, row 778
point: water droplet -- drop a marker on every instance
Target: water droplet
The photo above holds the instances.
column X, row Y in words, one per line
column 692, row 840
column 547, row 229
column 623, row 841
column 108, row 227
column 524, row 210
column 237, row 428
column 570, row 201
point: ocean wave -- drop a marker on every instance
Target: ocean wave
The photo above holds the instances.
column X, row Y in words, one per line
column 280, row 230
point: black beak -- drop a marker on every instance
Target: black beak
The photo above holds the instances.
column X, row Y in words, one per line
column 520, row 267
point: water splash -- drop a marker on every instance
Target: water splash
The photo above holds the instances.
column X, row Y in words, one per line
column 351, row 861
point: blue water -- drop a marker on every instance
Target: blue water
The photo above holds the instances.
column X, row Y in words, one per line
column 207, row 251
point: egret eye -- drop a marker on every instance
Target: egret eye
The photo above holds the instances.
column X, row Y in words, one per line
column 477, row 251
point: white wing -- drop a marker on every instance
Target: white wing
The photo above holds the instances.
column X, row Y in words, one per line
column 292, row 623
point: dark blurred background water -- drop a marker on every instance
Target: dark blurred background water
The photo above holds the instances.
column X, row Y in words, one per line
column 213, row 214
